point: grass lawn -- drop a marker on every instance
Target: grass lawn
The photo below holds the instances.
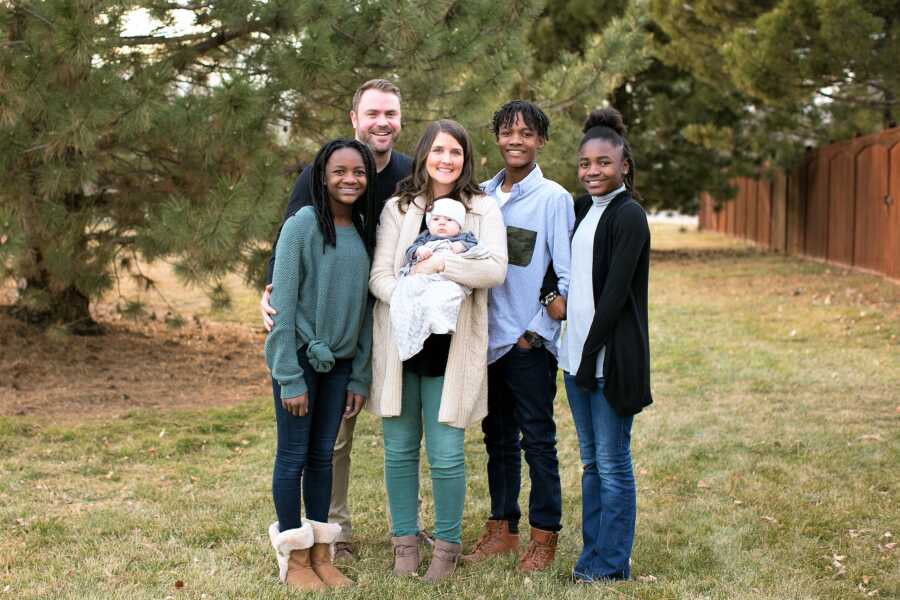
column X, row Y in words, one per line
column 767, row 467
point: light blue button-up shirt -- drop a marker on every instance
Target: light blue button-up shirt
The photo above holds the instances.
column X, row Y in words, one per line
column 545, row 208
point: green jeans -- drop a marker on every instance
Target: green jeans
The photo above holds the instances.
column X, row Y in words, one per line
column 444, row 445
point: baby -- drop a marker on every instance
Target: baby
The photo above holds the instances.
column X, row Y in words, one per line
column 424, row 304
column 444, row 232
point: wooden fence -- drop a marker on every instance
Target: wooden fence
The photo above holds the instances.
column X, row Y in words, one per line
column 842, row 205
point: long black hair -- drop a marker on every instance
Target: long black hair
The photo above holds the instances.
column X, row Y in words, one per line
column 419, row 182
column 364, row 213
column 607, row 124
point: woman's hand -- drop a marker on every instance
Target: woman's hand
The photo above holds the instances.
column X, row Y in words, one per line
column 355, row 403
column 435, row 264
column 297, row 406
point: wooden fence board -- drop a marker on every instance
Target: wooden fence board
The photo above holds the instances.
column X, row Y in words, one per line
column 841, row 208
column 816, row 209
column 871, row 231
column 778, row 230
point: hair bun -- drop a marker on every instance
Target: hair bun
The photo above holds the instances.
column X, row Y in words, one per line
column 606, row 117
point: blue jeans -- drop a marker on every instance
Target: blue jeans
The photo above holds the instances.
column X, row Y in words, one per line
column 305, row 444
column 421, row 404
column 608, row 497
column 521, row 389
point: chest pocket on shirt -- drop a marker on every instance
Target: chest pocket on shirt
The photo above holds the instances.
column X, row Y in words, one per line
column 520, row 245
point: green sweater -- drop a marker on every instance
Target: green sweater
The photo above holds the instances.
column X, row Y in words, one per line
column 322, row 301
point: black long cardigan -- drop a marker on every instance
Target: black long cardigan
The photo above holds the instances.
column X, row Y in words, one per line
column 620, row 280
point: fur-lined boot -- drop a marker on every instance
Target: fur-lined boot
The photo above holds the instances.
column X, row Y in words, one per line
column 324, row 535
column 292, row 550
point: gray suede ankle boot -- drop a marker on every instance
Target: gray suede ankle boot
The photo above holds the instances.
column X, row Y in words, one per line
column 406, row 554
column 443, row 560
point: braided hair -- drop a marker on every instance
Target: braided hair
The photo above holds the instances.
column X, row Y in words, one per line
column 364, row 213
column 607, row 124
column 532, row 116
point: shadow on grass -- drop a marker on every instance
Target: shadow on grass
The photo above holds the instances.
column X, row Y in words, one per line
column 706, row 254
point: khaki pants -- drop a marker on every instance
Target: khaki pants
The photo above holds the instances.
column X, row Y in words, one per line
column 340, row 482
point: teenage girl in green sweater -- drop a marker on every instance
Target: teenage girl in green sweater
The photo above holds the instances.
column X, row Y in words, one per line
column 319, row 352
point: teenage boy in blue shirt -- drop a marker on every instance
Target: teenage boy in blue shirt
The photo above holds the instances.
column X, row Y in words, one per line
column 522, row 331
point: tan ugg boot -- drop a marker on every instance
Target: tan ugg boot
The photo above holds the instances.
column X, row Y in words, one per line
column 292, row 550
column 496, row 539
column 443, row 561
column 406, row 555
column 540, row 552
column 324, row 535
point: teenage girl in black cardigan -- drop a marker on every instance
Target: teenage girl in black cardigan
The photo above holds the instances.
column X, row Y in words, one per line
column 605, row 352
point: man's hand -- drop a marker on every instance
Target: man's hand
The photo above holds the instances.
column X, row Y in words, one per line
column 355, row 403
column 266, row 309
column 557, row 308
column 435, row 264
column 457, row 247
column 423, row 252
column 297, row 406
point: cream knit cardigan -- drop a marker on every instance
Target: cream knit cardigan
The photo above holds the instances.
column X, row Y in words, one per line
column 464, row 395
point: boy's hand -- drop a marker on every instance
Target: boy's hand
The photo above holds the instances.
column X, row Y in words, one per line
column 297, row 406
column 424, row 252
column 458, row 247
column 355, row 403
column 557, row 308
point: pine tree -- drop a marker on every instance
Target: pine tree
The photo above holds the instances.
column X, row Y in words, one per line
column 119, row 147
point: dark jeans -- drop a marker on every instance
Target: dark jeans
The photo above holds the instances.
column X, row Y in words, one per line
column 521, row 389
column 608, row 497
column 305, row 444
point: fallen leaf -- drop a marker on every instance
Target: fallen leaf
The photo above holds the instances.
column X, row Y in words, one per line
column 179, row 584
column 702, row 485
column 162, row 433
column 866, row 579
column 769, row 519
column 793, row 333
column 647, row 578
column 738, row 502
column 887, row 534
column 871, row 437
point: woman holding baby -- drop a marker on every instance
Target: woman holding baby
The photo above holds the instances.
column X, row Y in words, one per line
column 443, row 388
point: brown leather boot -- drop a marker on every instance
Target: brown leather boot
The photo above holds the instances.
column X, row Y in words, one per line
column 496, row 539
column 406, row 555
column 540, row 552
column 300, row 574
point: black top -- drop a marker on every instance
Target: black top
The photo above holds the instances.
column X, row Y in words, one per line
column 386, row 181
column 431, row 361
column 621, row 269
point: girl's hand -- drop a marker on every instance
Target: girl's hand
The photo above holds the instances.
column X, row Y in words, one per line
column 297, row 406
column 355, row 403
column 435, row 264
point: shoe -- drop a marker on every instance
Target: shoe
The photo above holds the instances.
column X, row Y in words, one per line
column 540, row 552
column 324, row 535
column 292, row 551
column 343, row 552
column 443, row 561
column 426, row 539
column 495, row 539
column 406, row 555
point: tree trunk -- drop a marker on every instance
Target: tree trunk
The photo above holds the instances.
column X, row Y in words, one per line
column 40, row 304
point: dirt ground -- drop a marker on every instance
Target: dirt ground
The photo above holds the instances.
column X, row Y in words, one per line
column 138, row 363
